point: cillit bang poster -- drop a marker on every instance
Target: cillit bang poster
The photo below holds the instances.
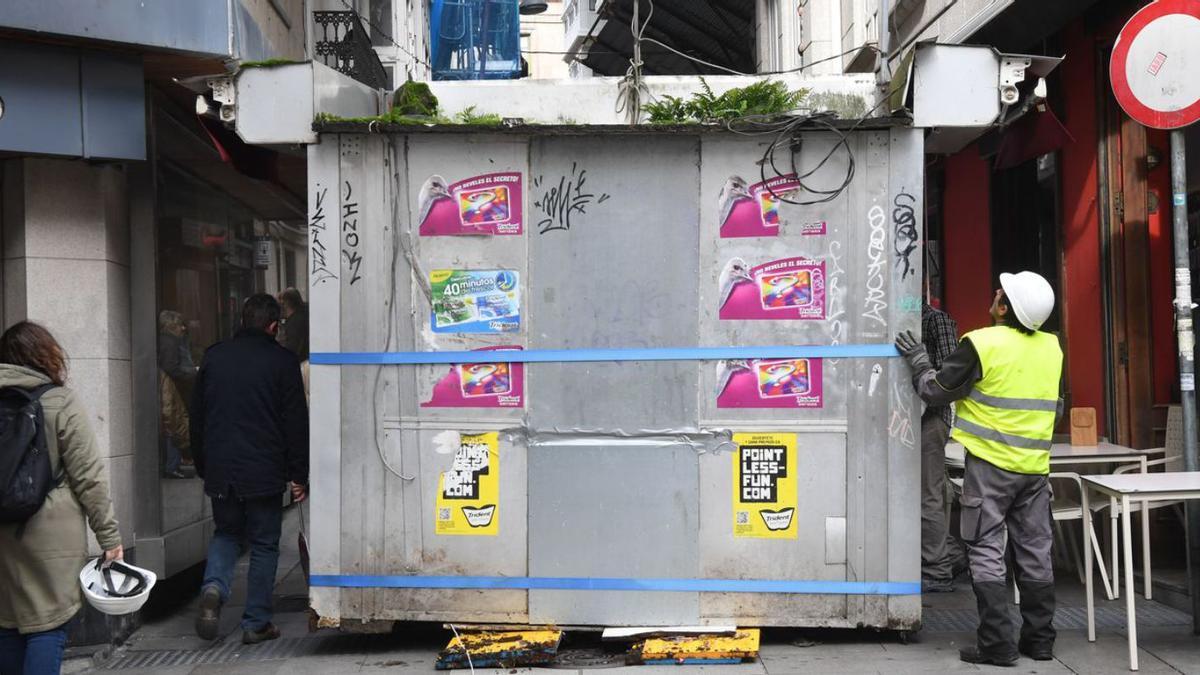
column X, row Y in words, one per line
column 770, row 383
column 475, row 301
column 787, row 289
column 481, row 385
column 753, row 211
column 484, row 205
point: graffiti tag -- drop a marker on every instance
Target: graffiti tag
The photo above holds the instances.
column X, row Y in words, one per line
column 874, row 303
column 320, row 272
column 350, row 235
column 905, row 235
column 562, row 199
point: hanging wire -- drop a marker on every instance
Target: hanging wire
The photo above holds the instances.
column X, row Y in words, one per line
column 632, row 88
column 397, row 217
column 464, row 648
column 787, row 134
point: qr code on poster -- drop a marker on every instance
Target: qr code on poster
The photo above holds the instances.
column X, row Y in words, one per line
column 743, row 517
column 443, row 514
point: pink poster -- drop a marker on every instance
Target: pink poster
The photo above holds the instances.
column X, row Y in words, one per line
column 488, row 205
column 775, row 383
column 481, row 385
column 754, row 211
column 787, row 289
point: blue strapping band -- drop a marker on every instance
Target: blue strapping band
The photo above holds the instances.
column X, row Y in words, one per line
column 619, row 584
column 591, row 355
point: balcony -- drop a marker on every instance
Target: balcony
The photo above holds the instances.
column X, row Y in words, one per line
column 342, row 43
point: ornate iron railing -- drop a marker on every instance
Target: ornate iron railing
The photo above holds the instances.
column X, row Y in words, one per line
column 342, row 43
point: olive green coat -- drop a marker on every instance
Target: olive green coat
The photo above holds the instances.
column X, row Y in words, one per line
column 39, row 570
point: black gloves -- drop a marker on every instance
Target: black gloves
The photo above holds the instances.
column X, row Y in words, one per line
column 913, row 351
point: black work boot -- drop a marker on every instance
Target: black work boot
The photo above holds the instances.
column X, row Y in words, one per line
column 994, row 639
column 209, row 620
column 267, row 632
column 1037, row 615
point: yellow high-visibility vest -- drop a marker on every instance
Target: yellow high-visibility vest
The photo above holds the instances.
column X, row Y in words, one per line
column 1008, row 418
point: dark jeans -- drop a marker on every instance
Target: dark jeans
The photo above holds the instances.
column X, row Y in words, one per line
column 33, row 653
column 258, row 521
column 936, row 564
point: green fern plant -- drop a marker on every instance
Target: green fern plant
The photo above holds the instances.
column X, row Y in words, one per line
column 766, row 97
column 669, row 110
column 469, row 116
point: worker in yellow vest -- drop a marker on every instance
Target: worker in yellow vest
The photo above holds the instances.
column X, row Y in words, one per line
column 1005, row 382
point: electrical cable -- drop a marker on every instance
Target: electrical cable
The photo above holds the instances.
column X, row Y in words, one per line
column 632, row 87
column 787, row 130
column 464, row 647
column 769, row 72
column 391, row 332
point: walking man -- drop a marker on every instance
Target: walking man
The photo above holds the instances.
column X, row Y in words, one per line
column 249, row 433
column 940, row 335
column 1006, row 381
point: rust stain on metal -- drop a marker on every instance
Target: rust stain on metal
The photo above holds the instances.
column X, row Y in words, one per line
column 318, row 622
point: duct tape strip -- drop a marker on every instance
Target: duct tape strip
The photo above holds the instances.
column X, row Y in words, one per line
column 619, row 584
column 593, row 355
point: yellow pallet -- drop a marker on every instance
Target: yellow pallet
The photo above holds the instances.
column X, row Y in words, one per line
column 697, row 649
column 500, row 649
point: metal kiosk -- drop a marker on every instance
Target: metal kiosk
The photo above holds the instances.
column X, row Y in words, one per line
column 592, row 375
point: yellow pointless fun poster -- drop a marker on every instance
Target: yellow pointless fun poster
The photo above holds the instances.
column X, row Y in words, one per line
column 764, row 486
column 468, row 495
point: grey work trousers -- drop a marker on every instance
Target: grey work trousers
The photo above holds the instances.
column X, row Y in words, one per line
column 936, row 564
column 995, row 501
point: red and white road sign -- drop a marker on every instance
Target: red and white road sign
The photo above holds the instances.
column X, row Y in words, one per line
column 1155, row 65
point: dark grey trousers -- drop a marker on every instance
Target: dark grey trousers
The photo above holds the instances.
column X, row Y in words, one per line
column 936, row 564
column 995, row 501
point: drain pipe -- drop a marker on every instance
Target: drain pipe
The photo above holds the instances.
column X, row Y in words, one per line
column 883, row 74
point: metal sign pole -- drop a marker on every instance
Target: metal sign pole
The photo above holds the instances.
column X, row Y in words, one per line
column 1187, row 364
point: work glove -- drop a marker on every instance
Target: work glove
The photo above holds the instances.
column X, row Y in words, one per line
column 913, row 351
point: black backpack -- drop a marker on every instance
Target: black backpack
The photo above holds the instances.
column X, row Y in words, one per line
column 25, row 473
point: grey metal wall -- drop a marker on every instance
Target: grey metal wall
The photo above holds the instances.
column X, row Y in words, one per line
column 611, row 469
column 197, row 26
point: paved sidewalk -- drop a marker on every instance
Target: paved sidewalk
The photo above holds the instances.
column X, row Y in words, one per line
column 168, row 646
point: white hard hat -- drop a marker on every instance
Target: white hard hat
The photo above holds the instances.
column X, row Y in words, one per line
column 118, row 588
column 1029, row 296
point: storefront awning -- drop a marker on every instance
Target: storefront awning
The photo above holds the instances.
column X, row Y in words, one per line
column 721, row 32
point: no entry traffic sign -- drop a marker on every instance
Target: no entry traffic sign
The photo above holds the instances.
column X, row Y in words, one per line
column 1155, row 65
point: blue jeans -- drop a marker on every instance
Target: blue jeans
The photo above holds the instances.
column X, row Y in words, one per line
column 32, row 653
column 174, row 458
column 259, row 522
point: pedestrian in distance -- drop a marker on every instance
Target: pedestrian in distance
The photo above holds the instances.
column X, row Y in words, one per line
column 41, row 555
column 1006, row 381
column 249, row 428
column 177, row 373
column 293, row 333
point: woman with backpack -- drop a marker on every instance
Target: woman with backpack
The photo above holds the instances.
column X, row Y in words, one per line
column 41, row 556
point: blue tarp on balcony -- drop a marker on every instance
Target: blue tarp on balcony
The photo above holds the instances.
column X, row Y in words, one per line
column 475, row 39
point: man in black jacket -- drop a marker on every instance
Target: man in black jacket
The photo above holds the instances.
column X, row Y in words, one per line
column 249, row 432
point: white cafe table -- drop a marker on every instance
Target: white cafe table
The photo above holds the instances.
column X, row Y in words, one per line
column 1065, row 453
column 1126, row 488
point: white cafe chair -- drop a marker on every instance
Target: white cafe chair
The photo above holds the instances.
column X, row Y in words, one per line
column 1173, row 462
column 1068, row 507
